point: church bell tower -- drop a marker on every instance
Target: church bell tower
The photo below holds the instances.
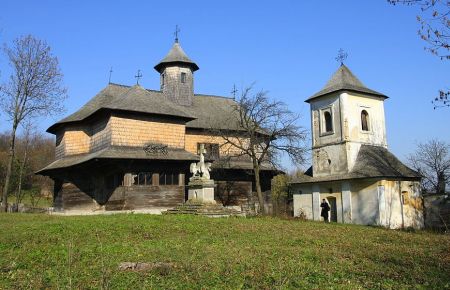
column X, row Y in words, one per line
column 345, row 114
column 177, row 75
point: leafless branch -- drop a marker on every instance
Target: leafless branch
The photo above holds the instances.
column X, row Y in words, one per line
column 33, row 89
column 262, row 130
column 432, row 161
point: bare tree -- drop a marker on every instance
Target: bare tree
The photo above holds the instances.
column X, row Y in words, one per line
column 435, row 30
column 34, row 88
column 432, row 161
column 264, row 128
column 27, row 139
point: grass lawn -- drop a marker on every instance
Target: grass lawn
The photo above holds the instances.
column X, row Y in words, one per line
column 49, row 252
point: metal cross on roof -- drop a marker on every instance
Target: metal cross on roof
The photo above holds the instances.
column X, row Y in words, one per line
column 138, row 76
column 110, row 73
column 234, row 91
column 177, row 30
column 342, row 56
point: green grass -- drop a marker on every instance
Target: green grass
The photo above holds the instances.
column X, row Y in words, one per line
column 49, row 252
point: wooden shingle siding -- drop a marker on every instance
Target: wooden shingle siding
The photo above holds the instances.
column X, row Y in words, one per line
column 138, row 132
column 76, row 140
column 100, row 135
column 194, row 138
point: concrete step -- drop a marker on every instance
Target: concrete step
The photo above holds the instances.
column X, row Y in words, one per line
column 212, row 210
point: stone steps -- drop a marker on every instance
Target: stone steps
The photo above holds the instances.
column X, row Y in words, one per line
column 212, row 210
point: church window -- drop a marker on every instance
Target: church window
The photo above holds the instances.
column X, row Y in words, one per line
column 183, row 77
column 328, row 122
column 364, row 120
column 143, row 178
column 163, row 77
column 168, row 178
column 212, row 150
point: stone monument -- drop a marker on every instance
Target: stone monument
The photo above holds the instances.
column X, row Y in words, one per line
column 201, row 186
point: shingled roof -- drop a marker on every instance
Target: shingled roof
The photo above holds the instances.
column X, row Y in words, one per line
column 206, row 112
column 119, row 152
column 213, row 112
column 126, row 98
column 344, row 79
column 176, row 55
column 371, row 162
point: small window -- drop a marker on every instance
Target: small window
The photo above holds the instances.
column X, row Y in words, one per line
column 212, row 150
column 183, row 77
column 142, row 178
column 168, row 178
column 364, row 120
column 163, row 77
column 405, row 196
column 328, row 122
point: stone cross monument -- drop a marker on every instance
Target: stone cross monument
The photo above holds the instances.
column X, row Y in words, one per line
column 201, row 187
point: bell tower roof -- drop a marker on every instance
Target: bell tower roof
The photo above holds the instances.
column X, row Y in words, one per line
column 176, row 55
column 344, row 79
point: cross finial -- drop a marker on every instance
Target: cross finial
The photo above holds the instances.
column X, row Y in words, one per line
column 138, row 76
column 234, row 91
column 341, row 56
column 177, row 30
column 110, row 73
column 202, row 149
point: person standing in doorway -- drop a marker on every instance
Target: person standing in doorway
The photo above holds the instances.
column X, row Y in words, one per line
column 325, row 213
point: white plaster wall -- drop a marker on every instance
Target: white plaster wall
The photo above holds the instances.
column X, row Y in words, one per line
column 398, row 214
column 303, row 204
column 352, row 150
column 318, row 138
column 353, row 104
column 364, row 203
column 329, row 160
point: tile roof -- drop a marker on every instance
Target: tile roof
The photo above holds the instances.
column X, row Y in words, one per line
column 371, row 162
column 344, row 79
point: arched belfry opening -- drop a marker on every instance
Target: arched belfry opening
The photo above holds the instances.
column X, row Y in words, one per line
column 328, row 122
column 364, row 120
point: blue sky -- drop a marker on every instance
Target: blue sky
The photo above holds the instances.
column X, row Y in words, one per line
column 286, row 47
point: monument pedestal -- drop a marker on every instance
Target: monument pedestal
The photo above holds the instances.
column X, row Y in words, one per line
column 201, row 191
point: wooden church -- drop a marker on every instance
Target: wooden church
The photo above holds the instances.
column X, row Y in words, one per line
column 130, row 148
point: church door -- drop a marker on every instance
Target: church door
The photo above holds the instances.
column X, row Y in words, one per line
column 333, row 211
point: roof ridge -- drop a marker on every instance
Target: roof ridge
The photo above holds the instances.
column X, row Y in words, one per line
column 119, row 85
column 213, row 96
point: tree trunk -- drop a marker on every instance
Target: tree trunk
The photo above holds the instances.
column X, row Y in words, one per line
column 22, row 167
column 12, row 144
column 258, row 187
column 440, row 183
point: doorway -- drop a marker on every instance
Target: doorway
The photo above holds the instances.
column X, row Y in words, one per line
column 333, row 208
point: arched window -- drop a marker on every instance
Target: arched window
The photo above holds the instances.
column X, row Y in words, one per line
column 183, row 77
column 364, row 120
column 328, row 122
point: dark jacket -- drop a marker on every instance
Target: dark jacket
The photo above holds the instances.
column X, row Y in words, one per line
column 325, row 209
